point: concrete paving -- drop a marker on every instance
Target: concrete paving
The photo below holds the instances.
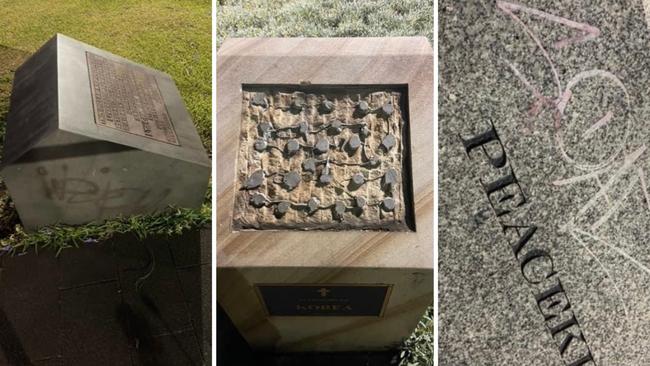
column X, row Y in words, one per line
column 123, row 302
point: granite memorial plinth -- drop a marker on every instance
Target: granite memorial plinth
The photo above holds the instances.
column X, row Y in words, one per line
column 325, row 190
column 92, row 136
column 544, row 203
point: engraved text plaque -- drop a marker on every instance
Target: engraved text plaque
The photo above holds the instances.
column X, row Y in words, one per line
column 324, row 300
column 128, row 99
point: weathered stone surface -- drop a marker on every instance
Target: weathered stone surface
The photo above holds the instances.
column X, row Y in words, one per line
column 91, row 136
column 312, row 149
column 543, row 171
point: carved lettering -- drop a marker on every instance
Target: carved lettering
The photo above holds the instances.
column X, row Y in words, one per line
column 509, row 188
column 323, row 307
column 559, row 317
column 128, row 99
column 485, row 138
column 552, row 302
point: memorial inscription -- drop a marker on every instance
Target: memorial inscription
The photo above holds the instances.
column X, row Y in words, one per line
column 505, row 194
column 323, row 158
column 324, row 299
column 128, row 99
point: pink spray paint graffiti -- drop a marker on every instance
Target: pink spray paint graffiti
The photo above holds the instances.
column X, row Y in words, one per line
column 621, row 169
column 563, row 95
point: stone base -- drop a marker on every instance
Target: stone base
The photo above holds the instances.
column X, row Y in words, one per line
column 325, row 290
column 409, row 298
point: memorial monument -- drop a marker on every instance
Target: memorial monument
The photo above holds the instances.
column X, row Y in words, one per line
column 325, row 190
column 92, row 136
column 544, row 206
column 352, row 164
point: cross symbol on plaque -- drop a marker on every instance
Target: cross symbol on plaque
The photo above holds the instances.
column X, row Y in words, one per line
column 323, row 292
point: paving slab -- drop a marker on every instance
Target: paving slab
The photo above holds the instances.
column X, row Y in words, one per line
column 90, row 334
column 30, row 300
column 83, row 268
column 185, row 255
column 180, row 349
column 200, row 311
column 87, row 309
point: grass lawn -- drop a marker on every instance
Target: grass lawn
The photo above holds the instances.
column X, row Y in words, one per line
column 327, row 18
column 337, row 18
column 169, row 35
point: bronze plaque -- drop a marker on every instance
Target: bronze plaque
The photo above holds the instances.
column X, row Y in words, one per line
column 324, row 299
column 127, row 98
column 320, row 157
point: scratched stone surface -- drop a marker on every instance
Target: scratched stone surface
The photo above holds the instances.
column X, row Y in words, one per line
column 92, row 136
column 544, row 171
column 323, row 158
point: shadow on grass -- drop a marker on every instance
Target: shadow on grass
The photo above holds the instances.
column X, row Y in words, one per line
column 10, row 60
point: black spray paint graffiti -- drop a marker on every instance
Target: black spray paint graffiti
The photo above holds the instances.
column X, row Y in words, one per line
column 103, row 193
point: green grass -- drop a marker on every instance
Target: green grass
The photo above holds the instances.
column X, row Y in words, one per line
column 417, row 350
column 337, row 18
column 328, row 18
column 169, row 35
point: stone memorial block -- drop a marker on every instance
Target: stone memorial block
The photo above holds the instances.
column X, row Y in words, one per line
column 91, row 136
column 325, row 190
column 544, row 203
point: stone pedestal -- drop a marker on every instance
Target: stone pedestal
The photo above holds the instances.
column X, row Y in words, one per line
column 91, row 136
column 325, row 190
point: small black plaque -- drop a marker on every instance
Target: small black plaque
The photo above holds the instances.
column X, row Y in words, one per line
column 324, row 299
column 127, row 98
